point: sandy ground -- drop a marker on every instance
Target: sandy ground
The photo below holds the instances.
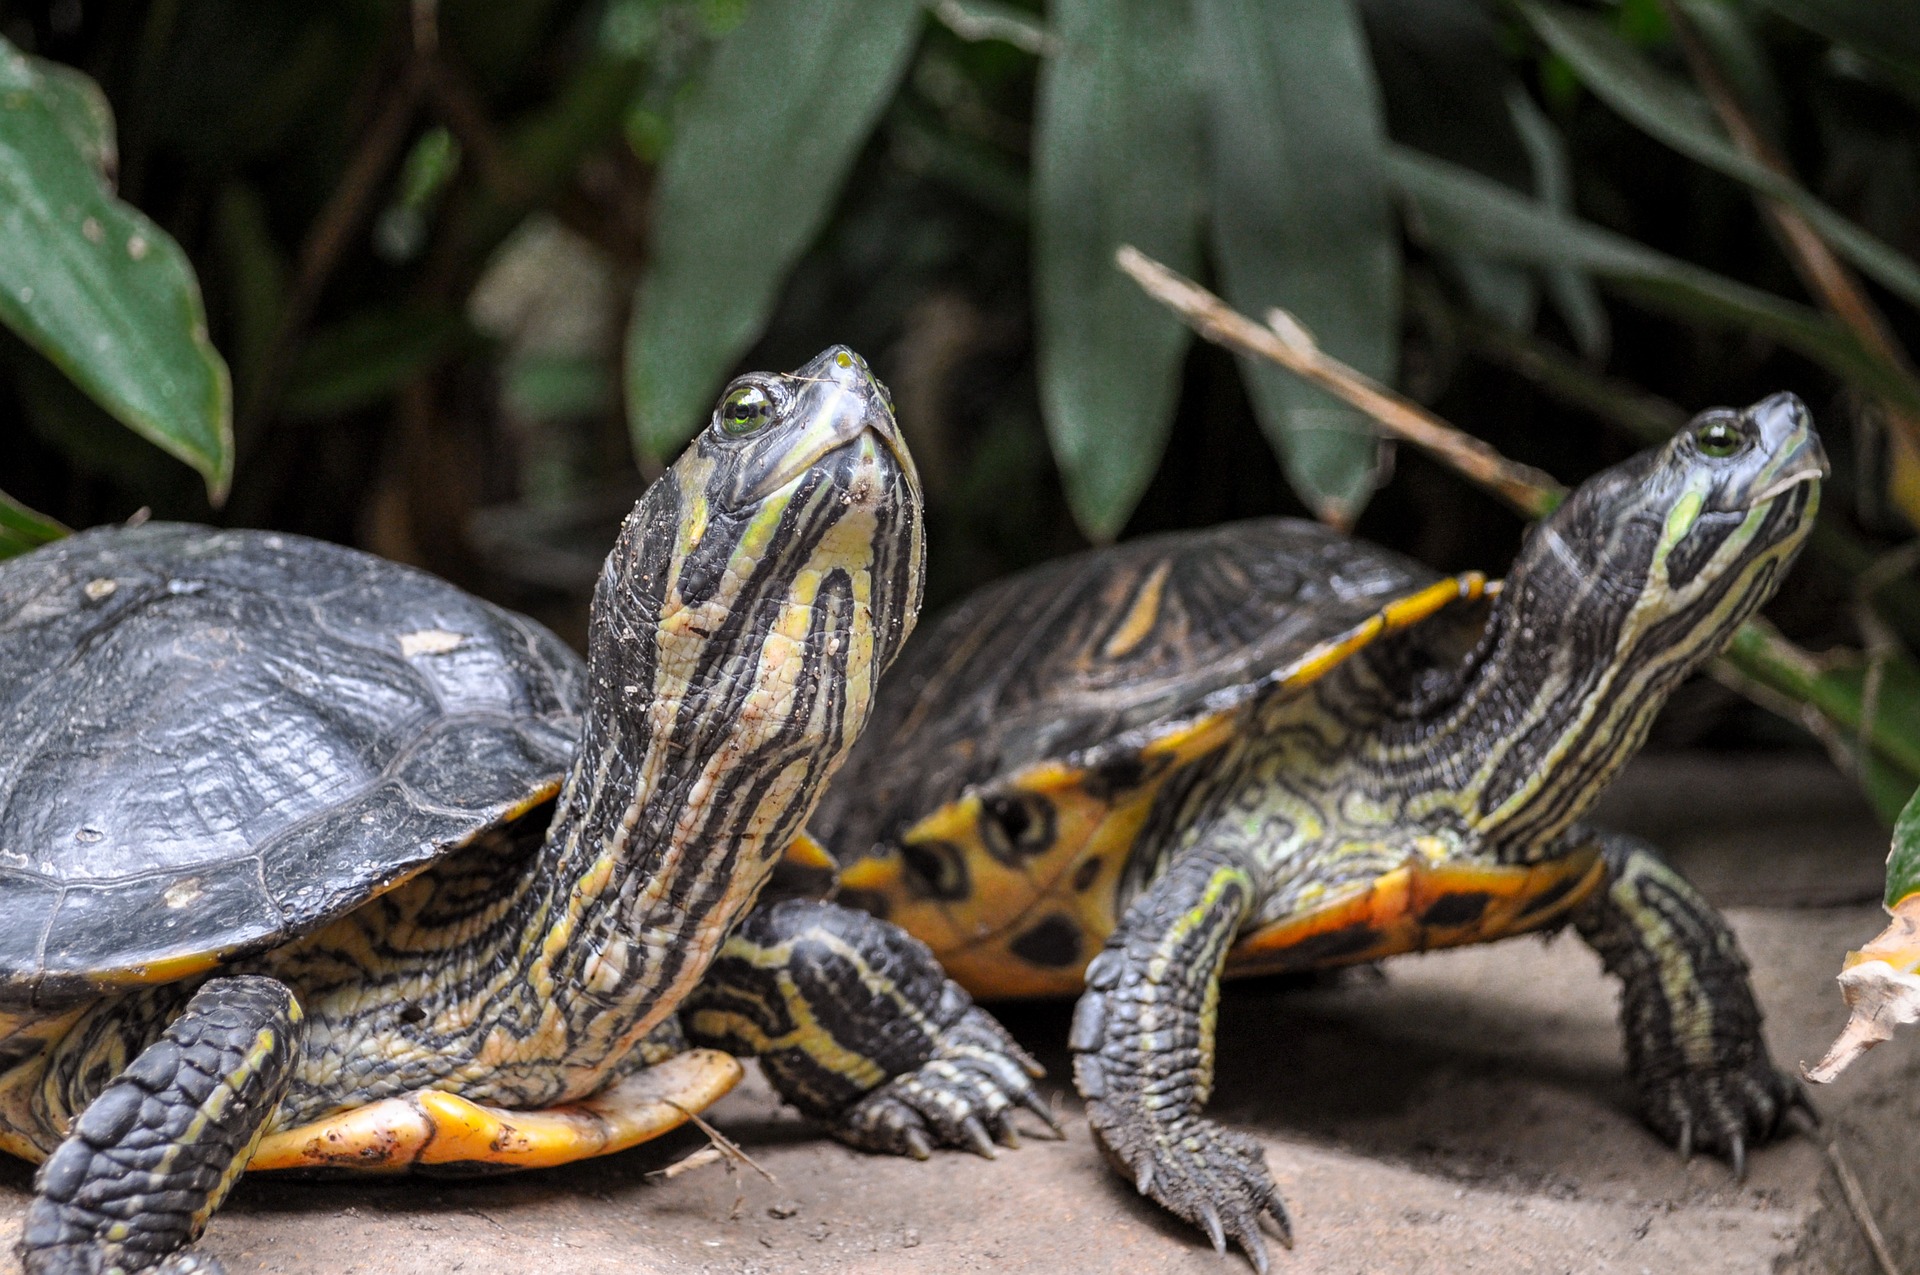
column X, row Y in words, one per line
column 1463, row 1111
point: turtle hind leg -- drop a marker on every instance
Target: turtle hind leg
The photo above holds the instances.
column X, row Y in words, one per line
column 855, row 1024
column 1691, row 1023
column 153, row 1155
column 1143, row 1037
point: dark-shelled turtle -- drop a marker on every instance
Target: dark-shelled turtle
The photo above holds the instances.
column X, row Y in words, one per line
column 1268, row 747
column 312, row 860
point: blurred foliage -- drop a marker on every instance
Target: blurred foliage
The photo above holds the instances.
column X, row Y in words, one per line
column 477, row 267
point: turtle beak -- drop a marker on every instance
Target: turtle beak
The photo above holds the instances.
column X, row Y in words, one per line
column 1787, row 435
column 841, row 401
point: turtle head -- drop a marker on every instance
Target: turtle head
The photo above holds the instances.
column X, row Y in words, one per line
column 1703, row 527
column 771, row 575
column 1637, row 580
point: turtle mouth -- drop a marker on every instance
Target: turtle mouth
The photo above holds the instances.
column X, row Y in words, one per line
column 1806, row 462
column 1787, row 482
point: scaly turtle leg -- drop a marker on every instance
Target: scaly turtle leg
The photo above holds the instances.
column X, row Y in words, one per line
column 1692, row 1026
column 153, row 1155
column 1143, row 1037
column 855, row 1024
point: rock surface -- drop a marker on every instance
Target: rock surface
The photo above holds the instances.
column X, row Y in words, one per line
column 1465, row 1111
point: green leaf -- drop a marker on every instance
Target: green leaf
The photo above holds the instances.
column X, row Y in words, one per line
column 757, row 161
column 1677, row 115
column 1572, row 292
column 367, row 357
column 22, row 529
column 1300, row 220
column 1116, row 160
column 100, row 290
column 1903, row 864
column 1458, row 210
column 83, row 112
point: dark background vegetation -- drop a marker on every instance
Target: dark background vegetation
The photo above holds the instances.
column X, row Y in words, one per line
column 419, row 231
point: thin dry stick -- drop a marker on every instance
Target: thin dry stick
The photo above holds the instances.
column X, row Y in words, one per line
column 721, row 1142
column 1531, row 491
column 1857, row 1202
column 687, row 1164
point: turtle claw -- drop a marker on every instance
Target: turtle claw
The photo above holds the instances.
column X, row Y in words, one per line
column 963, row 1097
column 1211, row 1176
column 1724, row 1110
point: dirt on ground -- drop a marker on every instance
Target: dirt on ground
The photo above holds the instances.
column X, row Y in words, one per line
column 1460, row 1111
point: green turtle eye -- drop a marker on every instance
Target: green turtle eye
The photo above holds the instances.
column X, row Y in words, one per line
column 744, row 410
column 1718, row 438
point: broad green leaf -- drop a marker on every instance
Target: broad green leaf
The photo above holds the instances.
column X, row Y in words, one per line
column 83, row 111
column 367, row 357
column 1572, row 292
column 22, row 529
column 757, row 161
column 1444, row 82
column 1903, row 864
column 1300, row 220
column 1459, row 210
column 100, row 290
column 1677, row 115
column 1116, row 160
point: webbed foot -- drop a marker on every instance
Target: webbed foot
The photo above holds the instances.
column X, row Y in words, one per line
column 1213, row 1177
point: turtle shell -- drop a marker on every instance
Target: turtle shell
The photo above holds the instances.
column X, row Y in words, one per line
column 1023, row 740
column 220, row 740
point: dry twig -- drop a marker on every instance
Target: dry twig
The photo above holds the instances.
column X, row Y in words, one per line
column 1531, row 491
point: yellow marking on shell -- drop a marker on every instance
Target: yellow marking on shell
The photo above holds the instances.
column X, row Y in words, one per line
column 172, row 969
column 1384, row 917
column 1141, row 615
column 430, row 1127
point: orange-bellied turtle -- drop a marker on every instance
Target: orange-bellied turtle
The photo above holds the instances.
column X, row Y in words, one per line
column 1268, row 747
column 311, row 860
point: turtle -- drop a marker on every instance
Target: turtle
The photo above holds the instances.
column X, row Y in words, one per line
column 310, row 860
column 1269, row 748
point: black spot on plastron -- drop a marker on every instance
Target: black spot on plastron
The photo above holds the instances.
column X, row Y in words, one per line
column 1017, row 826
column 1349, row 940
column 1085, row 875
column 1053, row 944
column 1457, row 909
column 936, row 869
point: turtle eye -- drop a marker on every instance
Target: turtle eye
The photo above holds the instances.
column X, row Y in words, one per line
column 1719, row 439
column 744, row 410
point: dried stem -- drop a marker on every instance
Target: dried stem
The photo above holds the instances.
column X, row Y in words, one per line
column 1856, row 1197
column 1531, row 491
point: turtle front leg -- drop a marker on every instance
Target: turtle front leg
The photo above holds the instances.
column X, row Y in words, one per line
column 1143, row 1038
column 1691, row 1023
column 153, row 1155
column 855, row 1024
